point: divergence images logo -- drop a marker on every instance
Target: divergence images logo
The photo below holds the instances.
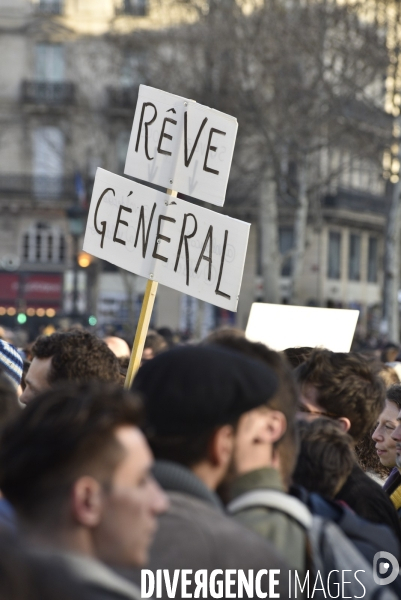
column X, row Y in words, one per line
column 382, row 561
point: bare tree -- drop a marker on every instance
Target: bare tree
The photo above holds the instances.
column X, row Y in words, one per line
column 303, row 78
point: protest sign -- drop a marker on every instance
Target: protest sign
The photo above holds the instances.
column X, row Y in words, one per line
column 282, row 326
column 181, row 145
column 183, row 246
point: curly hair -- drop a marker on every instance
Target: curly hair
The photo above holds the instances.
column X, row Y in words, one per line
column 348, row 386
column 367, row 456
column 78, row 356
column 366, row 449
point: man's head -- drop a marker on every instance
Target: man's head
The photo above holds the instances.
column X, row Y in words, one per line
column 75, row 355
column 77, row 470
column 297, row 355
column 285, row 400
column 386, row 424
column 341, row 386
column 154, row 344
column 118, row 346
column 326, row 457
column 194, row 398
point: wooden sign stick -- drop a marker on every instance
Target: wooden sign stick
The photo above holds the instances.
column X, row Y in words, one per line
column 143, row 324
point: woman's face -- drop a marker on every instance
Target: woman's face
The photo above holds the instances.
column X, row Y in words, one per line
column 385, row 446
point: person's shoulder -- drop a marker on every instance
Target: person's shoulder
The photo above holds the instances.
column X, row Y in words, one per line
column 220, row 530
column 362, row 483
column 369, row 500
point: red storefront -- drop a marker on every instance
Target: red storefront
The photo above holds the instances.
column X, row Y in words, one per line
column 31, row 290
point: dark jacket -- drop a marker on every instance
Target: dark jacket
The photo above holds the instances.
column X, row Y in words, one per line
column 369, row 538
column 196, row 534
column 285, row 533
column 369, row 501
column 7, row 515
column 95, row 579
column 392, row 487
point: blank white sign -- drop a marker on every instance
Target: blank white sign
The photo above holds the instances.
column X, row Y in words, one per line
column 282, row 326
column 183, row 246
column 181, row 145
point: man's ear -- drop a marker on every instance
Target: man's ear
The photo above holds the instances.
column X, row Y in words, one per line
column 345, row 423
column 276, row 426
column 221, row 446
column 87, row 501
column 257, row 432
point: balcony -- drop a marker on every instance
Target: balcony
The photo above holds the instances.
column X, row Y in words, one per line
column 37, row 187
column 122, row 98
column 48, row 93
column 134, row 8
column 356, row 201
column 50, row 7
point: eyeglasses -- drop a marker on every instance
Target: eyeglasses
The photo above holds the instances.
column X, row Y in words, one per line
column 318, row 413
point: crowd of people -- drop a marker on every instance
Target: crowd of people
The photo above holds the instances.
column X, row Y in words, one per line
column 225, row 460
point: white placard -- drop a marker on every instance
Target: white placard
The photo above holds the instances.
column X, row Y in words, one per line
column 181, row 245
column 181, row 145
column 282, row 326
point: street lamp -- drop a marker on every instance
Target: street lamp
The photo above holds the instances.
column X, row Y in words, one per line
column 76, row 221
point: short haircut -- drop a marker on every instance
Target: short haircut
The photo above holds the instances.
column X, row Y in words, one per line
column 156, row 342
column 394, row 394
column 187, row 450
column 326, row 457
column 297, row 356
column 78, row 356
column 286, row 399
column 223, row 333
column 348, row 386
column 63, row 434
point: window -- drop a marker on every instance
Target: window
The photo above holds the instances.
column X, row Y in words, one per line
column 25, row 247
column 372, row 260
column 48, row 159
column 122, row 149
column 354, row 258
column 49, row 62
column 61, row 249
column 53, row 7
column 50, row 248
column 134, row 7
column 334, row 255
column 38, row 247
column 286, row 243
column 39, row 244
column 133, row 68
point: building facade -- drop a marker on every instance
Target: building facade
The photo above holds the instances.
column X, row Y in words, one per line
column 68, row 88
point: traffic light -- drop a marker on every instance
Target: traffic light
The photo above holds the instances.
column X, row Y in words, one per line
column 22, row 318
column 92, row 320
